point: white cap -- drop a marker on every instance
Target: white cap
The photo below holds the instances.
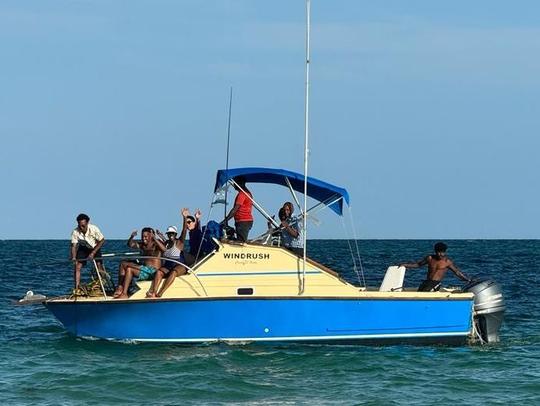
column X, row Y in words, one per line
column 172, row 229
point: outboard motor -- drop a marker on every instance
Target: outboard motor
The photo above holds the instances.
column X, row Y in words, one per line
column 489, row 308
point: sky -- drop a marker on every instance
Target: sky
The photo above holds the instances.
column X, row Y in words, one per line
column 428, row 113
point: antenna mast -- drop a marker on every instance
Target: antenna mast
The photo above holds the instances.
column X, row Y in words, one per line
column 228, row 142
column 306, row 139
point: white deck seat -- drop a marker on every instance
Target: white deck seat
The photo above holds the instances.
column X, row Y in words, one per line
column 393, row 279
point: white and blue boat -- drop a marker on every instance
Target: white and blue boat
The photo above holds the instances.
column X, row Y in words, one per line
column 260, row 292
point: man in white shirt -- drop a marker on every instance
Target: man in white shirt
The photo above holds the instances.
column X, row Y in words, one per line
column 86, row 243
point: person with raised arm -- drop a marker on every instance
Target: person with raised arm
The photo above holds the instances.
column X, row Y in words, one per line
column 174, row 250
column 438, row 263
column 150, row 247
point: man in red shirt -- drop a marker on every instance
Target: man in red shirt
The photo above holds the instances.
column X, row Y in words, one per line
column 241, row 211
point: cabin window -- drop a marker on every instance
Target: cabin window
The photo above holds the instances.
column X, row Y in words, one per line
column 245, row 291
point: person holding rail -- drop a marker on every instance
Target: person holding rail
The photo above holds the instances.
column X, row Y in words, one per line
column 86, row 243
column 438, row 263
column 242, row 210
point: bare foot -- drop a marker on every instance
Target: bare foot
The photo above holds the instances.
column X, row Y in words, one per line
column 122, row 296
column 150, row 295
column 118, row 292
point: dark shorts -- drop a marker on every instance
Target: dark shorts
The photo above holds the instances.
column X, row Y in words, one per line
column 83, row 251
column 169, row 265
column 242, row 230
column 190, row 258
column 429, row 286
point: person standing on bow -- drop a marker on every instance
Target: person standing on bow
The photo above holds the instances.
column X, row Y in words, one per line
column 242, row 210
column 438, row 263
column 86, row 243
column 292, row 236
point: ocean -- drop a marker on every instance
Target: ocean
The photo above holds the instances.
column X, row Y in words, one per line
column 41, row 364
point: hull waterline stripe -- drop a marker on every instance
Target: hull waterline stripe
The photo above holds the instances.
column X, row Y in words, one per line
column 201, row 274
column 299, row 338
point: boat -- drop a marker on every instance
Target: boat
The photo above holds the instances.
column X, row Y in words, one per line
column 261, row 292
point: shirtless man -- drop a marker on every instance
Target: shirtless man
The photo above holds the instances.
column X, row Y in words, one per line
column 437, row 264
column 150, row 246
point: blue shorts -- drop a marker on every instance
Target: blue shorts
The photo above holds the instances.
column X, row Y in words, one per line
column 146, row 272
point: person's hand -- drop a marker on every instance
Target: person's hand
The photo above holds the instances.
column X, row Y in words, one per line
column 160, row 234
column 198, row 214
column 284, row 224
column 185, row 212
column 133, row 233
column 91, row 255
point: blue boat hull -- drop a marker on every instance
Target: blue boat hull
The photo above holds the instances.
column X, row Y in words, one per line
column 268, row 319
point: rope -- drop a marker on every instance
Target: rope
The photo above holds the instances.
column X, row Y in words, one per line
column 357, row 247
column 203, row 234
column 93, row 288
column 351, row 251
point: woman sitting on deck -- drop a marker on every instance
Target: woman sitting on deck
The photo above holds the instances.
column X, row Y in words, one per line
column 174, row 250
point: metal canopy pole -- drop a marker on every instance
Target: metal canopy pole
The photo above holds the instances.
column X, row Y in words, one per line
column 293, row 194
column 256, row 205
column 306, row 140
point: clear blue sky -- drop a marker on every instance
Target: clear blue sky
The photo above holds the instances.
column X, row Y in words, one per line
column 428, row 113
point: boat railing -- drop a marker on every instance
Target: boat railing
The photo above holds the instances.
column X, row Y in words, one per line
column 136, row 256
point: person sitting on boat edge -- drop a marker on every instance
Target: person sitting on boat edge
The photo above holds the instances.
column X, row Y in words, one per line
column 174, row 250
column 86, row 243
column 292, row 236
column 438, row 263
column 150, row 246
column 242, row 210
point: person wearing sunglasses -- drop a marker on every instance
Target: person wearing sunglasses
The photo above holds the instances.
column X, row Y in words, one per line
column 193, row 226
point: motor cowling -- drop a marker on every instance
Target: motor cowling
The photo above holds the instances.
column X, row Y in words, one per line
column 489, row 308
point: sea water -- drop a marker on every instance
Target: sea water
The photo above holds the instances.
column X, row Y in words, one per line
column 41, row 364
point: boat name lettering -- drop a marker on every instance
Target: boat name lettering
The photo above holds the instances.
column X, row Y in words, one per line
column 246, row 255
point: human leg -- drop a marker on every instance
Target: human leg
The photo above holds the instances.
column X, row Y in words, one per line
column 177, row 271
column 129, row 271
column 82, row 253
column 158, row 277
column 242, row 230
column 77, row 273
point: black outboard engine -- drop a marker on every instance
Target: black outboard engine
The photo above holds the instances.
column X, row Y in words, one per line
column 489, row 308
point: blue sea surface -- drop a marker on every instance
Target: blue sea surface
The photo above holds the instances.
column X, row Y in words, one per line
column 41, row 364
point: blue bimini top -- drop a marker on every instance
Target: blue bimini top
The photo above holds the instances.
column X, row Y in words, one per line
column 316, row 189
